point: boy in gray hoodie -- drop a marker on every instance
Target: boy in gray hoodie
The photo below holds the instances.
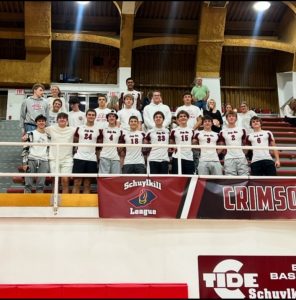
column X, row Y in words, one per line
column 32, row 107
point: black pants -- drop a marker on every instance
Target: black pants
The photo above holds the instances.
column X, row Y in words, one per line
column 187, row 166
column 159, row 167
column 265, row 167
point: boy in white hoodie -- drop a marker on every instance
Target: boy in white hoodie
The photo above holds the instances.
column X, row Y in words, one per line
column 156, row 105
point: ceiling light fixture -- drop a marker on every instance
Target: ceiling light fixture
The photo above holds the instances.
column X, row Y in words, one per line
column 83, row 2
column 261, row 5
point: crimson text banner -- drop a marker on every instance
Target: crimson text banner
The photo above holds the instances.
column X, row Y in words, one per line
column 251, row 277
column 195, row 198
column 244, row 199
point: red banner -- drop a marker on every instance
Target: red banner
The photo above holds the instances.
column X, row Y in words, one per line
column 141, row 197
column 244, row 199
column 94, row 291
column 172, row 197
column 251, row 277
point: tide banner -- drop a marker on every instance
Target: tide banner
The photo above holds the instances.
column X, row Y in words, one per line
column 172, row 197
column 250, row 277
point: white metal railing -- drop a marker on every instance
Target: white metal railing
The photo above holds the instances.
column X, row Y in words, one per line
column 56, row 175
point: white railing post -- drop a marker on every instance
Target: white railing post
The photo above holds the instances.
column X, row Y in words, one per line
column 179, row 160
column 56, row 196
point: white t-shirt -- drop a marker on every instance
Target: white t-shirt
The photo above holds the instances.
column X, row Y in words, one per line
column 243, row 120
column 77, row 118
column 52, row 118
column 39, row 152
column 193, row 111
column 124, row 115
column 101, row 119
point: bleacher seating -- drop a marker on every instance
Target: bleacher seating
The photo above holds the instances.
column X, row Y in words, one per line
column 285, row 135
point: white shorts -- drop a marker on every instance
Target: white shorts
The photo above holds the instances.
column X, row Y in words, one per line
column 65, row 166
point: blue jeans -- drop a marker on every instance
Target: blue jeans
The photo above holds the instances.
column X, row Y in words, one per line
column 29, row 127
column 201, row 104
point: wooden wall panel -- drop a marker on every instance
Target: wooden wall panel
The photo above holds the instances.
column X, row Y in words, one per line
column 249, row 74
column 169, row 68
column 12, row 49
column 83, row 66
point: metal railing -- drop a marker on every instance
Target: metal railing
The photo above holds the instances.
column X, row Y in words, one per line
column 57, row 175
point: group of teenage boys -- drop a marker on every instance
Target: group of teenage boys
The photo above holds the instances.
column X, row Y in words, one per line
column 130, row 126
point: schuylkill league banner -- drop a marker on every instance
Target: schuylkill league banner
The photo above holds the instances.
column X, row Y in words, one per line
column 141, row 197
column 186, row 197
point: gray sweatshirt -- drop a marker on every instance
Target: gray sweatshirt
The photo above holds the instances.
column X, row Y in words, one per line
column 31, row 108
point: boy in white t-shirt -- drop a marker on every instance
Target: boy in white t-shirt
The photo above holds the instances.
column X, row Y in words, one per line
column 35, row 159
column 125, row 113
column 102, row 110
column 76, row 116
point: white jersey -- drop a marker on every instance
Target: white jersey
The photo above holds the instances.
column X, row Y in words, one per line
column 86, row 135
column 77, row 118
column 39, row 152
column 101, row 119
column 61, row 135
column 183, row 136
column 207, row 138
column 133, row 155
column 233, row 137
column 110, row 135
column 193, row 111
column 260, row 139
column 158, row 136
column 124, row 115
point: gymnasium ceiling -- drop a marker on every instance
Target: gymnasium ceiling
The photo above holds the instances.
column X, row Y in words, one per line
column 153, row 18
